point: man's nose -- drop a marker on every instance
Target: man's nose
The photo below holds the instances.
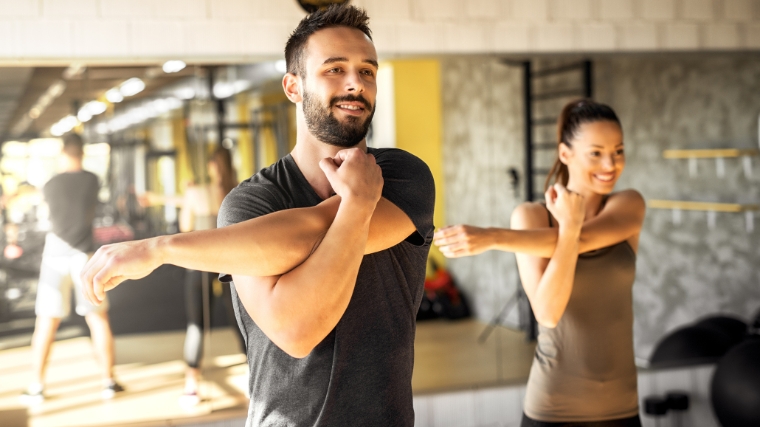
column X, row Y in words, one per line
column 354, row 82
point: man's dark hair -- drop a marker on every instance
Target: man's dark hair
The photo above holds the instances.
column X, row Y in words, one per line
column 73, row 146
column 336, row 15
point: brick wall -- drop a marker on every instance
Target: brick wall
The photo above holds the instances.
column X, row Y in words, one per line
column 35, row 31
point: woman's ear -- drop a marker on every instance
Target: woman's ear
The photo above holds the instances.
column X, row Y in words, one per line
column 291, row 84
column 565, row 153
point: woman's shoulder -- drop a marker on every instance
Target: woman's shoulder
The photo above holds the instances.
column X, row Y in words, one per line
column 631, row 198
column 530, row 215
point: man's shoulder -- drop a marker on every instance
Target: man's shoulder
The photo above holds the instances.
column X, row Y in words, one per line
column 264, row 192
column 397, row 162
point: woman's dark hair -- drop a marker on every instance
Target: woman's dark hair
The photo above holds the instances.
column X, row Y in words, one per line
column 336, row 15
column 222, row 158
column 573, row 115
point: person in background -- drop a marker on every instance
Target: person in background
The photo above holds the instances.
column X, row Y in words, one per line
column 199, row 208
column 72, row 197
column 576, row 254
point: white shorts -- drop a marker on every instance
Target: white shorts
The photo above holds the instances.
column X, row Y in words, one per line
column 62, row 265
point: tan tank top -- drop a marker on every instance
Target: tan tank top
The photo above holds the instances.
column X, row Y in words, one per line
column 583, row 369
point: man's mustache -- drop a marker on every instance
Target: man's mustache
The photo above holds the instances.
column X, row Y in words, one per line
column 351, row 98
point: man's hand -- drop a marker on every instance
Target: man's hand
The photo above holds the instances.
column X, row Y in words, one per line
column 354, row 176
column 113, row 264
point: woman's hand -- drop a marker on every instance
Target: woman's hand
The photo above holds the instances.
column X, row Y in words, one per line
column 463, row 240
column 567, row 207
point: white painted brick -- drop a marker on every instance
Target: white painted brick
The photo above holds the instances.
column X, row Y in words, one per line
column 487, row 9
column 698, row 10
column 44, row 38
column 422, row 411
column 282, row 10
column 681, row 36
column 157, row 38
column 266, row 38
column 570, row 10
column 616, row 10
column 721, row 36
column 595, row 36
column 100, row 38
column 638, row 36
column 752, row 35
column 738, row 10
column 530, row 10
column 384, row 37
column 658, row 10
column 184, row 9
column 453, row 409
column 497, row 406
column 9, row 47
column 386, row 10
column 78, row 8
column 511, row 37
column 467, row 37
column 127, row 8
column 235, row 9
column 26, row 8
column 554, row 37
column 437, row 10
column 419, row 37
column 214, row 38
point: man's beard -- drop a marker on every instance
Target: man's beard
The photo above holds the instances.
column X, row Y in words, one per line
column 326, row 128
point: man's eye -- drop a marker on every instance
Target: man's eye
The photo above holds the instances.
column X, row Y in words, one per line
column 620, row 152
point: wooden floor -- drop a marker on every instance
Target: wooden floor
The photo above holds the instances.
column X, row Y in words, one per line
column 447, row 357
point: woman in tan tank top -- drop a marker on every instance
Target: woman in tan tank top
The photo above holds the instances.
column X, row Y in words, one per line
column 576, row 256
column 199, row 206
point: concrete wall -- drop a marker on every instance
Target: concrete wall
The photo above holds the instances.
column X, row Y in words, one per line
column 55, row 31
column 684, row 271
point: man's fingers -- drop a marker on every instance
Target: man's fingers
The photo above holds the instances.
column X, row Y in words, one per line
column 328, row 166
column 101, row 279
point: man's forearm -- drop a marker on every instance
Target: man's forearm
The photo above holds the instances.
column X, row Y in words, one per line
column 305, row 304
column 274, row 244
column 265, row 246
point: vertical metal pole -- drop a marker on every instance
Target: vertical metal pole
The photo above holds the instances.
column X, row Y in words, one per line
column 588, row 79
column 218, row 104
column 528, row 105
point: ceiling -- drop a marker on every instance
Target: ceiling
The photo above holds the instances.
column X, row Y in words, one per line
column 21, row 88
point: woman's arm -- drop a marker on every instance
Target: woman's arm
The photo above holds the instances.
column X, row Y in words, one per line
column 620, row 220
column 548, row 283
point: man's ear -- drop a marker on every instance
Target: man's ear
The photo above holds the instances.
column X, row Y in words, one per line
column 291, row 84
column 565, row 153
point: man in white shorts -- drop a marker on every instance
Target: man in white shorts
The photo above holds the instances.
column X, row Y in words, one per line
column 72, row 197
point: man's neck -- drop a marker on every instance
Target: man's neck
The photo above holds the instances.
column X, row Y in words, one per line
column 308, row 152
column 71, row 165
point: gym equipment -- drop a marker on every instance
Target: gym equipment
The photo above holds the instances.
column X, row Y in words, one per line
column 735, row 388
column 656, row 407
column 735, row 328
column 703, row 342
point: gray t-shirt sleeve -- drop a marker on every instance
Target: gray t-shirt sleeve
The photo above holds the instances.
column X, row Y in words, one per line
column 247, row 201
column 408, row 184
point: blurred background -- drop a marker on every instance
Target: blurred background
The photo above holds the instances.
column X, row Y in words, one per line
column 471, row 87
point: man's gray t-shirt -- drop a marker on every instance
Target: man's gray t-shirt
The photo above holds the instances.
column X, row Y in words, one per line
column 361, row 373
column 72, row 198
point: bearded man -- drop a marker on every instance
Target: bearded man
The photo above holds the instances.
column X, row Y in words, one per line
column 326, row 248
